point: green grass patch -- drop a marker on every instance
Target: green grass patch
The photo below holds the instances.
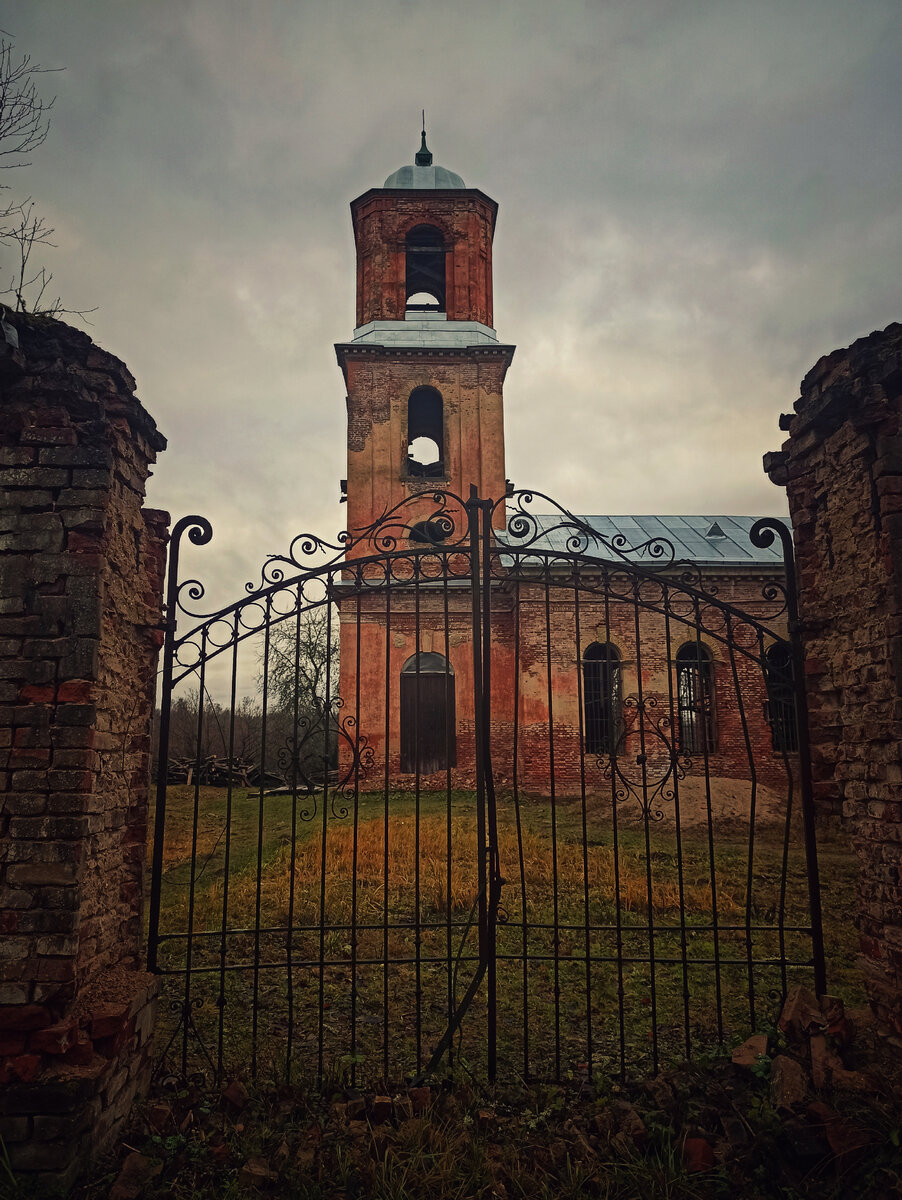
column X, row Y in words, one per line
column 334, row 936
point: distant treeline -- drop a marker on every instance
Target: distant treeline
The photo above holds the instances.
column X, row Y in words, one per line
column 202, row 744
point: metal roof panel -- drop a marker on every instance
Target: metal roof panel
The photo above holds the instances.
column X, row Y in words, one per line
column 687, row 535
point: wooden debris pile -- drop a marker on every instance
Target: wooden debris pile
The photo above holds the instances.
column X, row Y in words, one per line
column 216, row 771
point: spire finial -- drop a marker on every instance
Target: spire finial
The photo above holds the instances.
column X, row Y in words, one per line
column 424, row 154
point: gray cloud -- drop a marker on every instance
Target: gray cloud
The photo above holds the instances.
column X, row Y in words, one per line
column 697, row 201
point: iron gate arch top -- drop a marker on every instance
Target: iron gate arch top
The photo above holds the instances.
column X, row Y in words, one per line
column 525, row 897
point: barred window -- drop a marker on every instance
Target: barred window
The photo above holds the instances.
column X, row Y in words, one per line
column 601, row 698
column 695, row 699
column 780, row 708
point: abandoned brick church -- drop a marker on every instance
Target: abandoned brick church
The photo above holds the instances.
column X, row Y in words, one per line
column 575, row 670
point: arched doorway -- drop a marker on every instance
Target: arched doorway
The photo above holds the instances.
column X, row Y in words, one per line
column 428, row 732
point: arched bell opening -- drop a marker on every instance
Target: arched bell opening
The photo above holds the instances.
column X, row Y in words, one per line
column 425, row 270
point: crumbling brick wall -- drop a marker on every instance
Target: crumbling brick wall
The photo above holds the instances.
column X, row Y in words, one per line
column 81, row 571
column 842, row 469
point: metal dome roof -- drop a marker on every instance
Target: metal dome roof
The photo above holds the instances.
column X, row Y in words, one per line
column 423, row 174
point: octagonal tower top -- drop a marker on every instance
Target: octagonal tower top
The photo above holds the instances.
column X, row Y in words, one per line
column 424, row 255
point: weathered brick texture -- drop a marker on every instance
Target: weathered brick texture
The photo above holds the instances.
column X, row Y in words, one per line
column 81, row 568
column 536, row 697
column 842, row 469
column 382, row 219
column 379, row 383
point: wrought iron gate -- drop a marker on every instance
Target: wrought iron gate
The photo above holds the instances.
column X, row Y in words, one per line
column 481, row 789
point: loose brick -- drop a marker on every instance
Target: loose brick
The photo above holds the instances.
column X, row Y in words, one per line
column 43, row 477
column 108, row 1020
column 81, row 1053
column 41, row 1156
column 76, row 456
column 37, row 693
column 51, row 1127
column 24, row 1018
column 54, row 1039
column 76, row 714
column 75, row 691
column 24, row 1067
column 51, row 874
column 15, row 1129
column 89, row 478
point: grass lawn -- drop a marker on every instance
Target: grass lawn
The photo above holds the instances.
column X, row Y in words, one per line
column 305, row 964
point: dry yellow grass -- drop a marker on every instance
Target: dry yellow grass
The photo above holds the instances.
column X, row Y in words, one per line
column 341, row 865
column 178, row 841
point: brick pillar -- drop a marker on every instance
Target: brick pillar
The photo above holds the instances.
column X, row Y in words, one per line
column 81, row 576
column 842, row 469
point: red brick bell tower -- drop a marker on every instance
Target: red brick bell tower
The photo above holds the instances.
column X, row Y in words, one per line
column 424, row 370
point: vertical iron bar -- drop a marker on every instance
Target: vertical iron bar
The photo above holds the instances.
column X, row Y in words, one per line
column 385, row 793
column 762, row 535
column 617, row 743
column 552, row 792
column 494, row 873
column 293, row 779
column 517, row 816
column 189, row 946
column 473, row 508
column 327, row 712
column 417, row 733
column 668, row 655
column 806, row 787
column 649, row 886
column 416, row 568
column 787, row 829
column 582, row 792
column 753, row 808
column 449, row 952
column 227, row 854
column 356, row 833
column 259, row 890
column 200, row 531
column 712, row 858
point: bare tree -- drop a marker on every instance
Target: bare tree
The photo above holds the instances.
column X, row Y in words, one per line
column 303, row 663
column 24, row 231
column 24, row 126
column 301, row 678
column 24, row 114
column 246, row 729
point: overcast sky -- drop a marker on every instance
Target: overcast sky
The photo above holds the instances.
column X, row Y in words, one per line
column 697, row 200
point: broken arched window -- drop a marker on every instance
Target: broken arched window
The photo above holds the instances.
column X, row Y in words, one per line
column 425, row 434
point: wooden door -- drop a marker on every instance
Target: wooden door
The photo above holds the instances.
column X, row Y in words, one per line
column 428, row 735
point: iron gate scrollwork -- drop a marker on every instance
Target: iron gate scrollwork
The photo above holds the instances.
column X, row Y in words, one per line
column 481, row 789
